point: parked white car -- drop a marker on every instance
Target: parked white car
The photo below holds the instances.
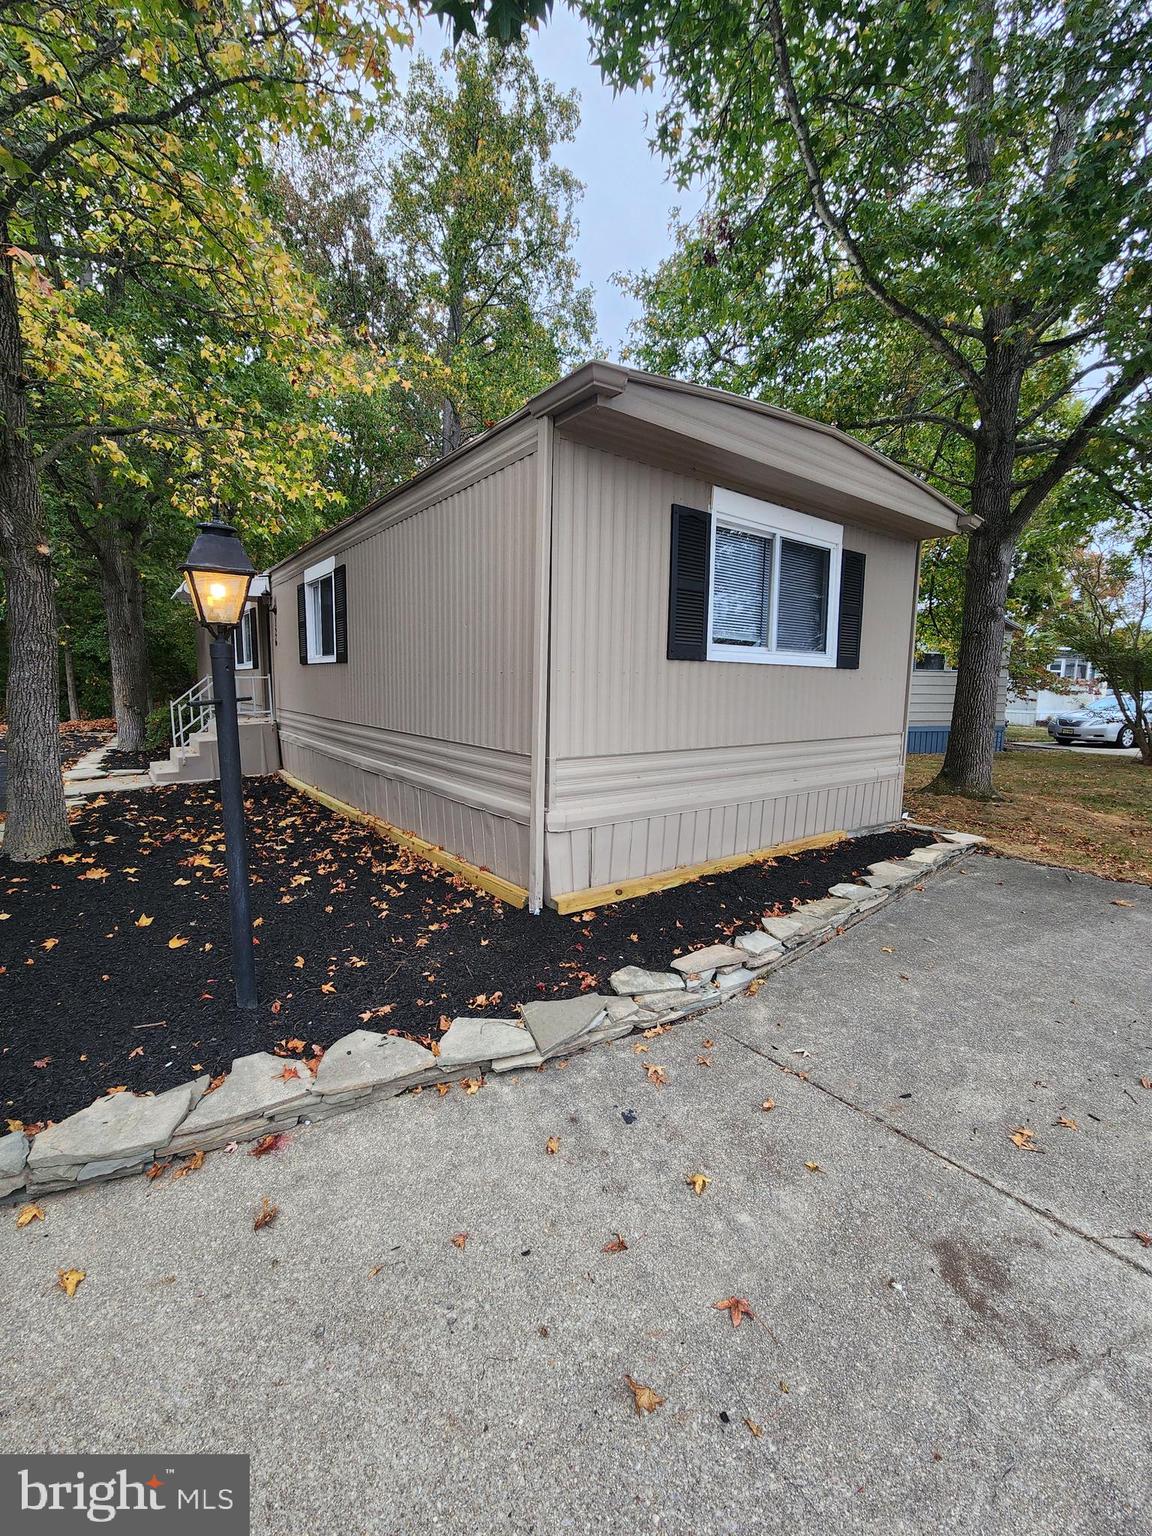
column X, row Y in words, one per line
column 1100, row 725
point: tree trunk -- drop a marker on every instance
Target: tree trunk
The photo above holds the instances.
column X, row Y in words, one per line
column 127, row 644
column 37, row 818
column 451, row 427
column 968, row 761
column 70, row 676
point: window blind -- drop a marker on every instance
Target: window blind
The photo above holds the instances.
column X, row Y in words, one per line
column 742, row 584
column 802, row 618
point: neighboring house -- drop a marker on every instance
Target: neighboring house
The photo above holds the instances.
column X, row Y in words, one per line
column 1083, row 688
column 638, row 628
column 930, row 700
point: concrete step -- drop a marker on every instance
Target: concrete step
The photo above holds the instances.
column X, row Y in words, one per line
column 198, row 761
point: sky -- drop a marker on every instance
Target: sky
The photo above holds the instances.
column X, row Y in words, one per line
column 627, row 201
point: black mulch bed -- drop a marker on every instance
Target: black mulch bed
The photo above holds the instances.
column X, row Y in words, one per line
column 116, row 761
column 114, row 957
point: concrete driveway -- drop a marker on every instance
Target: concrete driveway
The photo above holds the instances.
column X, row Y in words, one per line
column 1067, row 746
column 950, row 1334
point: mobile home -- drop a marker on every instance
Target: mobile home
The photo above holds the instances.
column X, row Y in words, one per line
column 638, row 628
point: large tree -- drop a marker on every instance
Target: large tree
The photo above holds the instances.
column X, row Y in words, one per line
column 152, row 112
column 442, row 235
column 928, row 222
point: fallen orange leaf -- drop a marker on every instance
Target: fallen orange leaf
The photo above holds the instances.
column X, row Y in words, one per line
column 67, row 1280
column 657, row 1076
column 617, row 1245
column 768, row 1104
column 1024, row 1138
column 189, row 1165
column 266, row 1215
column 552, row 1146
column 737, row 1309
column 28, row 1213
column 144, row 921
column 177, row 942
column 699, row 1182
column 646, row 1400
column 460, row 1240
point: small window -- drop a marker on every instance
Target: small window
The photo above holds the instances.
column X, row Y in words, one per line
column 244, row 641
column 320, row 609
column 775, row 579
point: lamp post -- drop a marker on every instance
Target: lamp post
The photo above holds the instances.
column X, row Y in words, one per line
column 218, row 574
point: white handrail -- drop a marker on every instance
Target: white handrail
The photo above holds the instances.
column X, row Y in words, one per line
column 193, row 710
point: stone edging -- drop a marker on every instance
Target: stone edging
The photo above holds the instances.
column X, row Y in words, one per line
column 262, row 1094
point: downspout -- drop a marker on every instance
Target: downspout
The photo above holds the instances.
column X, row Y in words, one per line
column 541, row 662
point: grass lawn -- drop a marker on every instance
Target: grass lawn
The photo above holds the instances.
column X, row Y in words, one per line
column 1027, row 733
column 1069, row 808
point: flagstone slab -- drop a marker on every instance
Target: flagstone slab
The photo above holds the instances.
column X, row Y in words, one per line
column 256, row 1085
column 709, row 959
column 816, row 913
column 120, row 1125
column 553, row 1024
column 848, row 891
column 211, row 1141
column 622, row 1009
column 470, row 1042
column 887, row 874
column 757, row 945
column 786, row 929
column 734, row 981
column 931, row 854
column 365, row 1059
column 13, row 1156
column 522, row 1063
column 632, row 980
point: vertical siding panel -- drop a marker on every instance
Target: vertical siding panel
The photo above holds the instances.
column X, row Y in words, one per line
column 440, row 647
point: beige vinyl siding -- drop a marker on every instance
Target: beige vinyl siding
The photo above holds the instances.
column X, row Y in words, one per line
column 930, row 697
column 655, row 764
column 428, row 724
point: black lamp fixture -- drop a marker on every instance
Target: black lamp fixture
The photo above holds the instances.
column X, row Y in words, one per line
column 218, row 574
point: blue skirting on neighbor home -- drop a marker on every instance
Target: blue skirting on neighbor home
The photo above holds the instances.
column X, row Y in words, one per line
column 934, row 738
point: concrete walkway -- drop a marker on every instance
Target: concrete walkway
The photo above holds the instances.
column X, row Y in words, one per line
column 951, row 1334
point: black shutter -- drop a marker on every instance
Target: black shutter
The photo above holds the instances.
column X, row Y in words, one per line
column 688, row 585
column 302, row 622
column 340, row 610
column 851, row 609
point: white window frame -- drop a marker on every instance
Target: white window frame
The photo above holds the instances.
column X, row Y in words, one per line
column 316, row 574
column 746, row 514
column 247, row 623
